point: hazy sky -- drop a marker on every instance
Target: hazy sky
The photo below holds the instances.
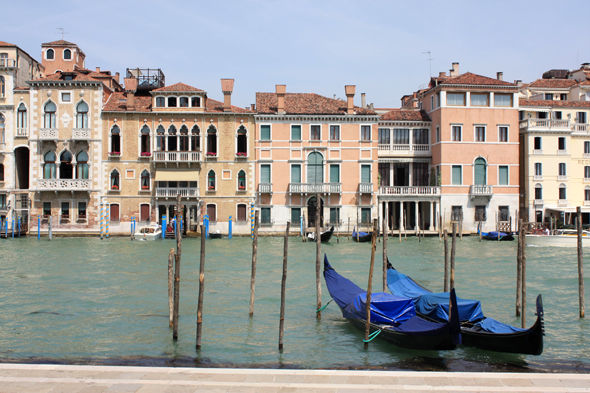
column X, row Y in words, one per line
column 311, row 46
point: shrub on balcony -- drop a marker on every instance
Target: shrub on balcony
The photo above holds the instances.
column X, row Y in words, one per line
column 115, row 153
column 211, row 188
column 115, row 187
column 241, row 188
column 211, row 154
column 241, row 154
column 146, row 154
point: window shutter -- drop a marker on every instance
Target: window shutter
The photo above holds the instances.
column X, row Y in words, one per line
column 114, row 212
column 265, row 133
column 295, row 173
column 503, row 175
column 241, row 212
column 315, row 168
column 480, row 172
column 265, row 173
column 365, row 173
column 457, row 175
column 211, row 213
column 334, row 173
column 295, row 133
column 295, row 216
column 145, row 213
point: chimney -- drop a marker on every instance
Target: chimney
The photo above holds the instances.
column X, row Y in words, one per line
column 500, row 76
column 117, row 77
column 441, row 74
column 363, row 100
column 227, row 87
column 252, row 107
column 281, row 90
column 97, row 69
column 518, row 82
column 130, row 89
column 350, row 89
column 455, row 70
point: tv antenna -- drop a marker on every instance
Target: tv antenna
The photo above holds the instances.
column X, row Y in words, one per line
column 429, row 60
column 62, row 32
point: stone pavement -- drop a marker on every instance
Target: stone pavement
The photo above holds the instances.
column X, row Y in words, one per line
column 27, row 378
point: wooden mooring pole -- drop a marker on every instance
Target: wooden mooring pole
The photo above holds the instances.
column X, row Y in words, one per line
column 318, row 252
column 370, row 285
column 177, row 272
column 385, row 224
column 171, row 284
column 453, row 248
column 446, row 272
column 523, row 262
column 519, row 268
column 580, row 264
column 283, row 285
column 254, row 257
column 201, row 288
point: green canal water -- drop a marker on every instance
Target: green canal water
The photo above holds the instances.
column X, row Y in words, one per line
column 83, row 300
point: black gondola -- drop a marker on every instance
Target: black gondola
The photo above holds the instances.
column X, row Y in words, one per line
column 361, row 237
column 477, row 330
column 493, row 235
column 215, row 235
column 325, row 236
column 393, row 318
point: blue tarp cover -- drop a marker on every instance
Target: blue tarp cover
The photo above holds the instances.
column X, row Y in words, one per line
column 492, row 326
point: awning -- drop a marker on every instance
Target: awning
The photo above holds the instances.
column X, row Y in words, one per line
column 571, row 209
column 185, row 175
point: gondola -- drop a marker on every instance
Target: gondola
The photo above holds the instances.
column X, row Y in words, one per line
column 361, row 237
column 215, row 235
column 393, row 318
column 325, row 236
column 477, row 330
column 493, row 235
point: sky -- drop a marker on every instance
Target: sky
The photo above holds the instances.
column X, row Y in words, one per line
column 311, row 46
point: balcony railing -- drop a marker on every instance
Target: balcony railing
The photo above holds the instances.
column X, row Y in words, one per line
column 561, row 177
column 2, row 146
column 22, row 132
column 581, row 127
column 403, row 191
column 64, row 184
column 484, row 191
column 265, row 188
column 7, row 63
column 313, row 188
column 538, row 177
column 404, row 148
column 537, row 151
column 177, row 156
column 185, row 192
column 48, row 134
column 545, row 123
column 561, row 152
column 81, row 134
column 538, row 202
column 365, row 188
column 562, row 202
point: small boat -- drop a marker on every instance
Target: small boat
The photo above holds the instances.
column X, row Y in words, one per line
column 493, row 235
column 150, row 232
column 325, row 236
column 559, row 238
column 361, row 237
column 393, row 318
column 477, row 330
column 215, row 235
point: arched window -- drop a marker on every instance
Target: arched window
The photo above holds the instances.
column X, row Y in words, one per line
column 242, row 180
column 49, row 165
column 2, row 135
column 479, row 173
column 242, row 148
column 115, row 141
column 50, row 54
column 171, row 102
column 172, row 138
column 82, row 115
column 160, row 102
column 21, row 120
column 145, row 180
column 315, row 168
column 67, row 54
column 196, row 102
column 587, row 194
column 212, row 141
column 184, row 138
column 195, row 138
column 1, row 172
column 538, row 191
column 160, row 138
column 66, row 170
column 211, row 180
column 183, row 101
column 145, row 140
column 562, row 194
column 2, row 86
column 115, row 180
column 82, row 165
column 49, row 118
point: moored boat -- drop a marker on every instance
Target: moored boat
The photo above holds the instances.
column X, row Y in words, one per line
column 149, row 232
column 559, row 238
column 361, row 237
column 325, row 235
column 493, row 235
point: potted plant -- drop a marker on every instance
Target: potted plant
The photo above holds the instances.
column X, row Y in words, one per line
column 241, row 187
column 211, row 188
column 115, row 187
column 115, row 153
column 211, row 154
column 146, row 154
column 241, row 154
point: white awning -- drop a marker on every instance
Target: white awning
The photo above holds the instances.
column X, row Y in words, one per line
column 185, row 175
column 570, row 209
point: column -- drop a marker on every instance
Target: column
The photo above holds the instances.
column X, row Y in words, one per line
column 416, row 216
column 401, row 215
column 432, row 216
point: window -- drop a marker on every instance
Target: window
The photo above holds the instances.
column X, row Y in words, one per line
column 587, row 173
column 431, row 102
column 438, row 99
column 587, row 194
column 145, row 180
column 65, row 166
column 195, row 102
column 171, row 102
column 3, row 201
column 21, row 118
column 46, row 209
column 586, row 147
column 115, row 141
column 503, row 134
column 437, row 134
column 82, row 115
column 562, row 194
column 265, row 132
column 145, row 140
column 172, row 138
column 65, row 210
column 195, row 138
column 456, row 133
column 365, row 173
column 383, row 169
column 334, row 173
column 538, row 169
column 479, row 172
column 49, row 117
column 549, row 96
column 183, row 101
column 541, row 115
column 562, row 169
column 384, row 136
column 315, row 134
column 503, row 213
column 479, row 99
column 160, row 102
column 503, row 179
column 457, row 99
column 50, row 54
column 242, row 148
column 2, row 86
column 81, row 211
column 265, row 173
column 160, row 138
column 67, row 54
column 296, row 133
column 242, row 216
column 457, row 176
column 295, row 173
column 242, row 180
column 420, row 136
column 115, row 180
column 335, row 133
column 265, row 215
column 1, row 172
column 557, row 115
column 315, row 168
column 212, row 212
column 502, row 99
column 49, row 165
column 295, row 216
column 563, row 97
column 420, row 174
column 480, row 134
column 456, row 213
column 365, row 133
column 82, row 165
column 184, row 139
column 401, row 136
column 115, row 216
column 480, row 213
column 144, row 212
column 538, row 145
column 2, row 135
column 561, row 143
column 581, row 117
column 66, row 97
column 538, row 191
column 334, row 215
column 365, row 215
column 212, row 141
column 211, row 181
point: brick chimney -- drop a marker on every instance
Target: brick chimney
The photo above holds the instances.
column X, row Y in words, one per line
column 349, row 90
column 227, row 87
column 117, row 77
column 130, row 89
column 500, row 76
column 455, row 70
column 98, row 69
column 441, row 74
column 281, row 90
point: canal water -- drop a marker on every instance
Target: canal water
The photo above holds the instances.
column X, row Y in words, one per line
column 83, row 300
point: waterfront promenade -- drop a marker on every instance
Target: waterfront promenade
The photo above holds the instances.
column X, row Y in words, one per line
column 29, row 378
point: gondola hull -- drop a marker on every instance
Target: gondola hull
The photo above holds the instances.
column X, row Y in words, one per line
column 494, row 236
column 325, row 236
column 361, row 237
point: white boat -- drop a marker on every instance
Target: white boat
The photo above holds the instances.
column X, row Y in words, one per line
column 559, row 238
column 150, row 232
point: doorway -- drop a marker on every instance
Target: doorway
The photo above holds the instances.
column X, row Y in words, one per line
column 311, row 212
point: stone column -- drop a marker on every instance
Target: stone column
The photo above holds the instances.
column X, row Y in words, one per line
column 416, row 216
column 432, row 216
column 401, row 215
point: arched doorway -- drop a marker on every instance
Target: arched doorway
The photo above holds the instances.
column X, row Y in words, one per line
column 21, row 157
column 311, row 212
column 479, row 178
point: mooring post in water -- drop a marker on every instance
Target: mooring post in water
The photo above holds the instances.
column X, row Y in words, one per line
column 108, row 221
column 38, row 227
column 400, row 227
column 201, row 289
column 370, row 285
column 385, row 219
column 230, row 227
column 164, row 227
column 50, row 230
column 177, row 271
column 318, row 252
column 480, row 230
column 348, row 227
column 519, row 269
column 171, row 285
column 446, row 267
column 453, row 248
column 12, row 226
column 254, row 256
column 580, row 264
column 523, row 258
column 283, row 285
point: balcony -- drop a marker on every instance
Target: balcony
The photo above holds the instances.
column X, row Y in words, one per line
column 64, row 185
column 562, row 202
column 22, row 133
column 537, row 151
column 480, row 191
column 414, row 191
column 265, row 188
column 581, row 127
column 538, row 177
column 184, row 192
column 48, row 134
column 365, row 188
column 561, row 152
column 562, row 178
column 81, row 134
column 177, row 156
column 315, row 188
column 538, row 202
column 553, row 124
column 7, row 63
column 147, row 78
column 404, row 149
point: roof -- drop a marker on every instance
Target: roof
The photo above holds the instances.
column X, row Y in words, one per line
column 2, row 43
column 59, row 43
column 178, row 87
column 549, row 103
column 22, row 88
column 118, row 103
column 59, row 76
column 553, row 83
column 405, row 115
column 469, row 78
column 305, row 104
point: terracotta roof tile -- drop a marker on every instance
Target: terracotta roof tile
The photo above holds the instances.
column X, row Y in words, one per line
column 469, row 78
column 549, row 103
column 2, row 43
column 305, row 104
column 553, row 83
column 58, row 76
column 22, row 88
column 118, row 103
column 217, row 106
column 406, row 115
column 180, row 87
column 58, row 43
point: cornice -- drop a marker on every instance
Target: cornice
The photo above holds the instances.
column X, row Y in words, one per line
column 318, row 118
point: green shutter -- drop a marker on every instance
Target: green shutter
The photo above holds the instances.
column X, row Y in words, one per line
column 295, row 133
column 365, row 173
column 265, row 173
column 366, row 215
column 295, row 216
column 503, row 176
column 457, row 175
column 334, row 215
column 479, row 178
column 295, row 173
column 315, row 168
column 334, row 173
column 265, row 132
column 265, row 215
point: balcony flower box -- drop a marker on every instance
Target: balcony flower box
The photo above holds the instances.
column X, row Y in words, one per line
column 211, row 154
column 241, row 155
column 241, row 188
column 211, row 188
column 145, row 188
column 146, row 154
column 115, row 187
column 115, row 153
